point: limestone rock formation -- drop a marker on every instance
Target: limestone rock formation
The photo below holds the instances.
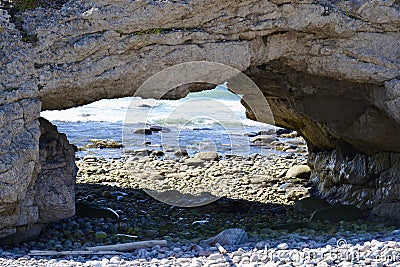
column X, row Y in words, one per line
column 54, row 189
column 49, row 194
column 329, row 69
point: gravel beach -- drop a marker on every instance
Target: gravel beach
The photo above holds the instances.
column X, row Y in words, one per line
column 251, row 195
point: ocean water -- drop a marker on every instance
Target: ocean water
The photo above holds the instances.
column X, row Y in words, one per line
column 212, row 120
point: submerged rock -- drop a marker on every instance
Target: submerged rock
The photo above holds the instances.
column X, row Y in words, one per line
column 337, row 213
column 143, row 131
column 156, row 128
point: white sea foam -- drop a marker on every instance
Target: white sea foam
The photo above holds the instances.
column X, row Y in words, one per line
column 207, row 107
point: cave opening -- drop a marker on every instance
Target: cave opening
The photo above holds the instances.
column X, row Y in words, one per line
column 206, row 134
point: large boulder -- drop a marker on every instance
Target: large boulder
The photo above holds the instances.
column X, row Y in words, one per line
column 55, row 185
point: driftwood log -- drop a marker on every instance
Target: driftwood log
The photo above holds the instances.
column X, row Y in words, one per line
column 102, row 250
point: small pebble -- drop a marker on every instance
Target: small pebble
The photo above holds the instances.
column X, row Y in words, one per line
column 283, row 246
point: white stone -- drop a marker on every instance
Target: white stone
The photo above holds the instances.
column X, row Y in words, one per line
column 254, row 258
column 283, row 246
column 215, row 256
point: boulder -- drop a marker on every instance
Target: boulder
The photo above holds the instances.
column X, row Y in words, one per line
column 143, row 131
column 263, row 139
column 50, row 194
column 156, row 128
column 299, row 171
column 229, row 237
column 181, row 153
column 195, row 162
column 207, row 155
column 55, row 185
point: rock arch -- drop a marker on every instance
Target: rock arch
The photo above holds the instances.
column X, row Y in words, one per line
column 328, row 69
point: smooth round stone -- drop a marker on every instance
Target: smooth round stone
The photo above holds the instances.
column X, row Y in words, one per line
column 283, row 246
column 254, row 258
column 299, row 171
column 237, row 253
column 195, row 162
column 215, row 256
column 115, row 260
column 100, row 235
column 176, row 250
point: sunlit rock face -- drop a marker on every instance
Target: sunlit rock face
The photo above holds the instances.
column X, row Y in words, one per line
column 329, row 69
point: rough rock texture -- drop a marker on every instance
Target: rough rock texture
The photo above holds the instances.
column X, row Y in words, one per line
column 367, row 181
column 19, row 135
column 329, row 69
column 55, row 184
column 49, row 194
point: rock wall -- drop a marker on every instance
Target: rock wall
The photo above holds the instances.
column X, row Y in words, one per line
column 329, row 69
column 368, row 181
column 54, row 189
column 48, row 194
column 19, row 138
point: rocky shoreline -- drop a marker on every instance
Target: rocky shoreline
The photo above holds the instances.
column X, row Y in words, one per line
column 254, row 194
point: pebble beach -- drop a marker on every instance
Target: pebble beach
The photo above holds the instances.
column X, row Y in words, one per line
column 251, row 197
column 204, row 209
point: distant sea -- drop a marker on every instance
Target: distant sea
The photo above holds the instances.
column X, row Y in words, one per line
column 203, row 121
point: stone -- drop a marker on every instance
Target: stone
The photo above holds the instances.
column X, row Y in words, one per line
column 251, row 134
column 55, row 184
column 141, row 153
column 194, row 162
column 143, row 131
column 207, row 155
column 156, row 128
column 299, row 171
column 337, row 213
column 283, row 246
column 282, row 131
column 228, row 237
column 368, row 181
column 157, row 153
column 91, row 210
column 267, row 132
column 96, row 143
column 100, row 235
column 263, row 139
column 181, row 153
column 310, row 204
